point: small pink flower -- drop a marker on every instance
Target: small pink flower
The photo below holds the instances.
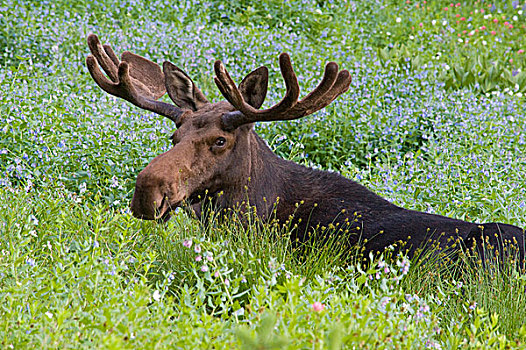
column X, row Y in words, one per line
column 204, row 268
column 493, row 32
column 506, row 23
column 520, row 51
column 317, row 306
column 198, row 258
column 457, row 15
column 445, row 8
column 462, row 18
column 511, row 60
column 481, row 10
column 187, row 243
column 495, row 20
column 483, row 28
column 197, row 249
column 421, row 24
column 216, row 274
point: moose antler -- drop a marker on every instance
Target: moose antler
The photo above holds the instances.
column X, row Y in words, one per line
column 332, row 85
column 133, row 78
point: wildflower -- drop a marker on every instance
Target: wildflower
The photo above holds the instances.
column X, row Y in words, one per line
column 156, row 295
column 493, row 32
column 197, row 249
column 317, row 306
column 520, row 51
column 398, row 20
column 483, row 28
column 198, row 258
column 473, row 306
column 187, row 243
column 204, row 268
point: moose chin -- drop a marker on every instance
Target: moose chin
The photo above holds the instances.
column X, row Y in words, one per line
column 217, row 155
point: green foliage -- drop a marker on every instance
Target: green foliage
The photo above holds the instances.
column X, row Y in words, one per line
column 477, row 44
column 430, row 122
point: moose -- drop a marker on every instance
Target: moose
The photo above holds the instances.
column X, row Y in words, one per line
column 217, row 156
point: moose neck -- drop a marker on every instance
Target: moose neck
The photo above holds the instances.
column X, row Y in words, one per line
column 279, row 187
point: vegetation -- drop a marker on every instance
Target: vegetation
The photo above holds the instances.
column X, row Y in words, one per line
column 435, row 120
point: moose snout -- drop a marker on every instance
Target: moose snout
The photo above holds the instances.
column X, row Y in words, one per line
column 153, row 195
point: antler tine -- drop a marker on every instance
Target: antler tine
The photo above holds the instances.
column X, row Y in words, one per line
column 231, row 92
column 323, row 94
column 332, row 85
column 121, row 84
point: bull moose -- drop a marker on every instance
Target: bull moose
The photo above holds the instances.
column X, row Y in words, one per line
column 217, row 155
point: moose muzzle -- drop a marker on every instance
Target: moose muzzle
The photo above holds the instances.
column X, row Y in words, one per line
column 161, row 186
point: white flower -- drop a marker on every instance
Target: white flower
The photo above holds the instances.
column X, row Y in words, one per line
column 156, row 295
column 444, row 23
column 398, row 20
column 484, row 42
column 433, row 22
column 411, row 37
column 49, row 315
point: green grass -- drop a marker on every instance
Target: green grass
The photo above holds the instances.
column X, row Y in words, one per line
column 433, row 121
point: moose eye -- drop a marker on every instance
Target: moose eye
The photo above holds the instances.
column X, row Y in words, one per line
column 220, row 141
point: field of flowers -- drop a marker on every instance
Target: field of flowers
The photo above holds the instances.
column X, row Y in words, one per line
column 435, row 120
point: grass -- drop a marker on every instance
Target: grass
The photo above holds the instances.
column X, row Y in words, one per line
column 434, row 121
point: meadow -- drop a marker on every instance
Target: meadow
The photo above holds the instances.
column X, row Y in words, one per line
column 435, row 120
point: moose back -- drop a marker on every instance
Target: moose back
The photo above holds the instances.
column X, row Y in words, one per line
column 216, row 151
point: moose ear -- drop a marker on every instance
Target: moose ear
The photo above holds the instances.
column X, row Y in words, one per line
column 254, row 87
column 182, row 89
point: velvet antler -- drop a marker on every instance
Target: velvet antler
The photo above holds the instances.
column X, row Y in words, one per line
column 333, row 84
column 133, row 78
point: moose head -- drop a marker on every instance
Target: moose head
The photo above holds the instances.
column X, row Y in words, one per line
column 211, row 146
